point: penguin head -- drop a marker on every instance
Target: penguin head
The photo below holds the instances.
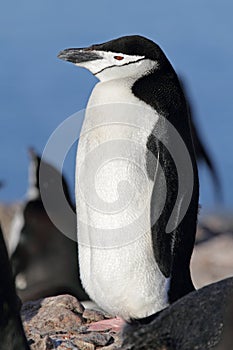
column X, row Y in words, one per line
column 33, row 175
column 129, row 56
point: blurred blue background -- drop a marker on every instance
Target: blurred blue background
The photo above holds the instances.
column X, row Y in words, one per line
column 38, row 91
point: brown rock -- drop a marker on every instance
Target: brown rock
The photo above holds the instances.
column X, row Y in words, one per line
column 52, row 314
column 93, row 315
column 61, row 323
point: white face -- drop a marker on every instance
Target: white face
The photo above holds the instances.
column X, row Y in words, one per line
column 115, row 65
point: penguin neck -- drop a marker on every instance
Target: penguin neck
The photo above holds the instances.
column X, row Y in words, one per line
column 118, row 90
column 113, row 91
column 33, row 189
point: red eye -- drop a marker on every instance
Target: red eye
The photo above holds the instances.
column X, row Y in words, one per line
column 119, row 58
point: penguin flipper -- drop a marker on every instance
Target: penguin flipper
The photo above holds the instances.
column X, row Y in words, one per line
column 163, row 194
column 172, row 250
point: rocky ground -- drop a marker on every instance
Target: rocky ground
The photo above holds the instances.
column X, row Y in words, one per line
column 61, row 322
column 212, row 258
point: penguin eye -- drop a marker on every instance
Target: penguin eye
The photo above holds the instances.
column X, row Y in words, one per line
column 119, row 58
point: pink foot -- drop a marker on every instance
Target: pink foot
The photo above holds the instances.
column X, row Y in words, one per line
column 114, row 324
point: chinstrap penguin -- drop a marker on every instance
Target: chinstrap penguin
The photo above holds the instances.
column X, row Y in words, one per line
column 143, row 277
column 44, row 260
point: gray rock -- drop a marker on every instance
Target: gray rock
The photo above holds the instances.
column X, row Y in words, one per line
column 194, row 322
column 227, row 341
column 93, row 315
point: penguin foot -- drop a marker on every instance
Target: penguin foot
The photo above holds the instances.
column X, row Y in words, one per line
column 113, row 324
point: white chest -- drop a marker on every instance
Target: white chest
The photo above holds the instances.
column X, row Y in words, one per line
column 113, row 196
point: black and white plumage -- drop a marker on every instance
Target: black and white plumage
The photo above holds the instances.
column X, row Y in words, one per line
column 43, row 259
column 137, row 279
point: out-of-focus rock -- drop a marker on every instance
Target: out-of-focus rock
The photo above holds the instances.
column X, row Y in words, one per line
column 218, row 223
column 212, row 260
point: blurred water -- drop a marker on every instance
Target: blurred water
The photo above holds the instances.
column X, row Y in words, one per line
column 38, row 91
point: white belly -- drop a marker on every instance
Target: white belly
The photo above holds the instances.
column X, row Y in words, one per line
column 113, row 195
column 125, row 281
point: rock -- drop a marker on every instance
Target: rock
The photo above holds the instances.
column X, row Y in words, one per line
column 194, row 322
column 52, row 314
column 117, row 343
column 93, row 315
column 97, row 338
column 227, row 341
column 212, row 260
column 83, row 345
column 61, row 323
column 217, row 223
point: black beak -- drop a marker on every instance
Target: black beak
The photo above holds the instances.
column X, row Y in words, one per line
column 78, row 55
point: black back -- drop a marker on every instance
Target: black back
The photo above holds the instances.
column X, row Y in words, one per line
column 162, row 91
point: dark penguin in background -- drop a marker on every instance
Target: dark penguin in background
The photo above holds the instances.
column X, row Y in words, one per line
column 2, row 183
column 12, row 335
column 202, row 153
column 44, row 261
column 141, row 278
